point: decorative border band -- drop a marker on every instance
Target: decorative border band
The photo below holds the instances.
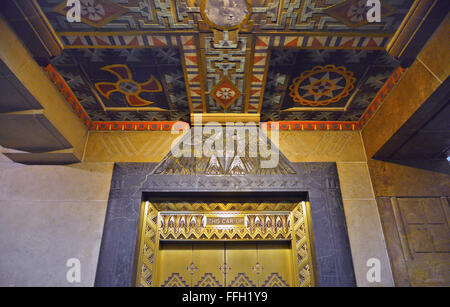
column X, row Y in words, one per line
column 70, row 97
column 139, row 126
column 65, row 90
column 382, row 94
column 310, row 125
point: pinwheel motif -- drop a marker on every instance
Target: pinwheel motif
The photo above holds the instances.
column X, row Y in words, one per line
column 127, row 86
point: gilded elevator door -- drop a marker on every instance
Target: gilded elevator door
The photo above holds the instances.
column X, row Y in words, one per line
column 238, row 264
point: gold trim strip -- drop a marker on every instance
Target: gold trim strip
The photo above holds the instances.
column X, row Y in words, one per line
column 261, row 33
column 225, row 117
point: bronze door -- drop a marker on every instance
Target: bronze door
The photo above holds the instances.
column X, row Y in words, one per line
column 215, row 264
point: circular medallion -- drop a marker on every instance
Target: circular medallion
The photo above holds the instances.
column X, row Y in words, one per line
column 322, row 85
column 226, row 14
column 357, row 12
column 92, row 10
column 225, row 93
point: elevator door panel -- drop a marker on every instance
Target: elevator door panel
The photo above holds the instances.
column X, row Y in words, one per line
column 215, row 264
column 276, row 262
column 261, row 264
column 173, row 261
column 207, row 259
column 240, row 259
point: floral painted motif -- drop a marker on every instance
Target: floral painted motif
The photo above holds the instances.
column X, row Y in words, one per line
column 225, row 93
column 357, row 11
column 96, row 13
column 92, row 10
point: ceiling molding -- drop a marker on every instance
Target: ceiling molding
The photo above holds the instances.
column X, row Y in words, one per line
column 33, row 27
column 225, row 117
column 425, row 135
column 422, row 20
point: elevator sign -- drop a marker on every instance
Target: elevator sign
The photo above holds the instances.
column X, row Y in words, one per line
column 225, row 221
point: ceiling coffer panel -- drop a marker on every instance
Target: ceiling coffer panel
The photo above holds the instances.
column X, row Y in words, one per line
column 324, row 85
column 126, row 84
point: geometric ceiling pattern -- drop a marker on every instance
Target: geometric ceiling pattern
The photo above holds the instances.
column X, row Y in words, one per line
column 302, row 85
column 141, row 85
column 136, row 61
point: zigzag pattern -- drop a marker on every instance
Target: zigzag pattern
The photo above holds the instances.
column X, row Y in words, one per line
column 174, row 280
column 301, row 245
column 261, row 206
column 208, row 280
column 275, row 280
column 225, row 234
column 242, row 280
column 149, row 246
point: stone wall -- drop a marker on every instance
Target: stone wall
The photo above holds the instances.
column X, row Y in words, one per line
column 49, row 214
column 363, row 221
column 406, row 193
column 68, row 203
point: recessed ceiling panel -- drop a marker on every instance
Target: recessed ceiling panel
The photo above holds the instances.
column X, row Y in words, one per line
column 324, row 85
column 126, row 84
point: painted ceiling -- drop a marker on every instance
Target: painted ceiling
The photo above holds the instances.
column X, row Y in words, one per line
column 303, row 85
column 142, row 85
column 130, row 62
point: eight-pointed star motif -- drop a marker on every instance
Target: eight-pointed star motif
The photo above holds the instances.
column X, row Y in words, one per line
column 323, row 87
